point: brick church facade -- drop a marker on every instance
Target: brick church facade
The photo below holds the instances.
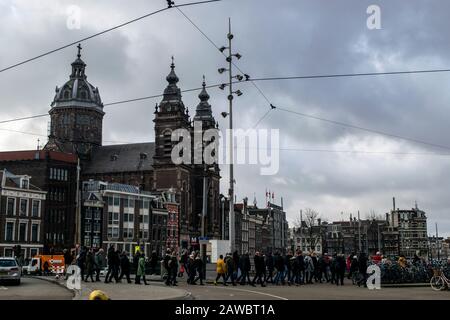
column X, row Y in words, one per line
column 76, row 128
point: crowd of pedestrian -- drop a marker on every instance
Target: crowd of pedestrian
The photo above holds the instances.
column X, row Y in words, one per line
column 293, row 268
column 290, row 269
column 115, row 264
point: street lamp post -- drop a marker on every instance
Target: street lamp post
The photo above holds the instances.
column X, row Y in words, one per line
column 239, row 77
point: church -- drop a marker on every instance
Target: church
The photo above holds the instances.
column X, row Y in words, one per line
column 76, row 125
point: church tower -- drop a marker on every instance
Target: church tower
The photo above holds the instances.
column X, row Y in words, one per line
column 204, row 115
column 76, row 114
column 170, row 115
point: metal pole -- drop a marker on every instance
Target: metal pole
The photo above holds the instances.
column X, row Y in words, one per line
column 437, row 243
column 379, row 238
column 301, row 229
column 77, row 208
column 204, row 204
column 359, row 232
column 202, row 232
column 230, row 99
column 223, row 218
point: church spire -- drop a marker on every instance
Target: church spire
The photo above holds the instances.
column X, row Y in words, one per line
column 172, row 78
column 172, row 92
column 78, row 66
column 203, row 96
column 203, row 111
column 79, row 50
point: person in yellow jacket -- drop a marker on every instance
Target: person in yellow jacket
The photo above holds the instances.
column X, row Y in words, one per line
column 221, row 270
column 402, row 261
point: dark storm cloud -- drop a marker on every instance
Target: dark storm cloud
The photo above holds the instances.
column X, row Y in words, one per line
column 275, row 38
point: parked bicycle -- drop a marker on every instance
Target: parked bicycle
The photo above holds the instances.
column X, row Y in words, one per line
column 439, row 281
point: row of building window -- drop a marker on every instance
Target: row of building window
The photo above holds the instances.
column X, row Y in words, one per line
column 57, row 194
column 23, row 207
column 127, row 202
column 58, row 174
column 54, row 237
column 56, row 216
column 22, row 235
column 88, row 227
column 113, row 218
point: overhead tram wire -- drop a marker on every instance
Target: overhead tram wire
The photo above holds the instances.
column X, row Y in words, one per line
column 284, row 148
column 24, row 118
column 346, row 75
column 235, row 65
column 342, row 124
column 105, row 31
column 261, row 79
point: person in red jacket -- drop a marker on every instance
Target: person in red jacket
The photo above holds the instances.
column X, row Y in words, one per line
column 377, row 258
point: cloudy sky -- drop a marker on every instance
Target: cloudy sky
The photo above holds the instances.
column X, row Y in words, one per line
column 276, row 38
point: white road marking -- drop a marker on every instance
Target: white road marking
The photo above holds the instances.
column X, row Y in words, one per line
column 3, row 288
column 256, row 292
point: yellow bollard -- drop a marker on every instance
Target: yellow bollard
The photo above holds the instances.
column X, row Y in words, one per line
column 98, row 295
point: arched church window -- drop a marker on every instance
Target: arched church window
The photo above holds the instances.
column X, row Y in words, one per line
column 83, row 94
column 66, row 94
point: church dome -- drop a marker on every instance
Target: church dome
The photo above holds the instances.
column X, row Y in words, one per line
column 78, row 92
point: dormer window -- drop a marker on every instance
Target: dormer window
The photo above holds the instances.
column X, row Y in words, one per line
column 143, row 156
column 66, row 94
column 24, row 183
column 114, row 157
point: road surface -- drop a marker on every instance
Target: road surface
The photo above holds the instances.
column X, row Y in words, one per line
column 34, row 289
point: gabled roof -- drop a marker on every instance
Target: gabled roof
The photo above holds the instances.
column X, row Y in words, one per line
column 121, row 158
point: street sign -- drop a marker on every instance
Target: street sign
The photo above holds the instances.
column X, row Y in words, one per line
column 203, row 238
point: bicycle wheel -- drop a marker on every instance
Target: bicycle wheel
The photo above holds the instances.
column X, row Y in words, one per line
column 437, row 283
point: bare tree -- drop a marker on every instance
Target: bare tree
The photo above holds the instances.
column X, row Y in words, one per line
column 308, row 223
column 373, row 215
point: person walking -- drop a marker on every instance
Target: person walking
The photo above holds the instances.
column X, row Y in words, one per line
column 174, row 268
column 288, row 267
column 245, row 269
column 190, row 268
column 221, row 270
column 301, row 266
column 141, row 270
column 90, row 266
column 362, row 267
column 333, row 268
column 113, row 265
column 166, row 263
column 100, row 263
column 229, row 262
column 198, row 268
column 354, row 272
column 260, row 267
column 81, row 261
column 279, row 265
column 340, row 269
column 153, row 262
column 309, row 268
column 295, row 279
column 236, row 265
column 68, row 258
column 270, row 267
column 316, row 266
column 124, row 266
